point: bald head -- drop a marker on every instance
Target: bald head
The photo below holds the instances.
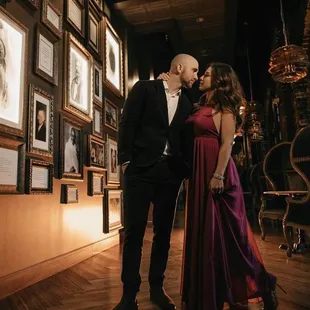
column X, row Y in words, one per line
column 183, row 59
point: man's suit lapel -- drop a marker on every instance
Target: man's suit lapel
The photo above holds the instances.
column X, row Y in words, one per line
column 162, row 100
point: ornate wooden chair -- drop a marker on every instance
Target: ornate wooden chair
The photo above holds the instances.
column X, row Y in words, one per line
column 298, row 210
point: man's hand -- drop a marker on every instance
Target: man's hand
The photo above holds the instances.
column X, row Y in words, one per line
column 163, row 76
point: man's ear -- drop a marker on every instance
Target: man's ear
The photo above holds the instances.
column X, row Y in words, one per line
column 179, row 68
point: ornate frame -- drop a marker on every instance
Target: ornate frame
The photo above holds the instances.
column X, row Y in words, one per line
column 45, row 20
column 107, row 101
column 111, row 182
column 103, row 180
column 94, row 15
column 94, row 132
column 65, row 188
column 80, row 6
column 101, row 143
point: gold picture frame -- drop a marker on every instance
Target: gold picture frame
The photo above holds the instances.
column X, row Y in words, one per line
column 52, row 18
column 96, row 183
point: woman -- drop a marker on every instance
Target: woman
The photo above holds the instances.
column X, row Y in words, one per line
column 221, row 262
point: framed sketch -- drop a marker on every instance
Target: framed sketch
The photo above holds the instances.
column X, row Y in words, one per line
column 113, row 60
column 97, row 83
column 97, row 152
column 13, row 72
column 71, row 149
column 113, row 170
column 96, row 183
column 69, row 193
column 41, row 122
column 97, row 126
column 112, row 210
column 47, row 51
column 12, row 166
column 40, row 177
column 78, row 92
column 110, row 114
column 94, row 34
column 33, row 3
column 52, row 18
column 75, row 15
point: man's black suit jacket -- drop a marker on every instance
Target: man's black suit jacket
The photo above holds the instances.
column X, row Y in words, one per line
column 144, row 126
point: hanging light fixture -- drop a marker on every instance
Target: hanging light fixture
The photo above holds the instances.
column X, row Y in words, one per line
column 288, row 63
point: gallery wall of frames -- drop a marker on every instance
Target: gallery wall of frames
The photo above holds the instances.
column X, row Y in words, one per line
column 61, row 92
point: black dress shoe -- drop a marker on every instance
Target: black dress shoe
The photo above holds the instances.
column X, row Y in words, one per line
column 127, row 304
column 161, row 299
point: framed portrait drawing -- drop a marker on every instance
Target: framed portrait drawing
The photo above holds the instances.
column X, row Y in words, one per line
column 41, row 122
column 110, row 115
column 47, row 51
column 69, row 193
column 71, row 149
column 40, row 177
column 97, row 83
column 52, row 18
column 78, row 77
column 112, row 210
column 75, row 15
column 94, row 33
column 12, row 166
column 113, row 170
column 113, row 60
column 13, row 72
column 97, row 126
column 96, row 183
column 97, row 152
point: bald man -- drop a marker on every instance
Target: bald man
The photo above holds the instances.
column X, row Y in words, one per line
column 152, row 154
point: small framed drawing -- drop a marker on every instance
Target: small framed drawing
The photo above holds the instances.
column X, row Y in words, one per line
column 112, row 210
column 97, row 152
column 97, row 83
column 113, row 59
column 52, row 18
column 75, row 16
column 41, row 122
column 97, row 126
column 94, row 34
column 78, row 77
column 47, row 51
column 12, row 166
column 13, row 73
column 110, row 115
column 40, row 177
column 69, row 193
column 71, row 149
column 113, row 170
column 96, row 183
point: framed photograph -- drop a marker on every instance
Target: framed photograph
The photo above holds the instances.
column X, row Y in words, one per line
column 40, row 177
column 97, row 152
column 71, row 149
column 13, row 72
column 52, row 18
column 112, row 210
column 113, row 59
column 110, row 115
column 12, row 166
column 97, row 126
column 78, row 93
column 112, row 163
column 47, row 51
column 69, row 193
column 97, row 83
column 96, row 183
column 33, row 3
column 41, row 122
column 75, row 15
column 94, row 33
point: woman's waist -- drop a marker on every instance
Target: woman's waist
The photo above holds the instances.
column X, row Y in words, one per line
column 208, row 138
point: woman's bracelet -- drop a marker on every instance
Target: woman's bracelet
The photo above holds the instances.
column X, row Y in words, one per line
column 218, row 176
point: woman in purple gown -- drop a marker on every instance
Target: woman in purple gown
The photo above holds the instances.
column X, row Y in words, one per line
column 221, row 260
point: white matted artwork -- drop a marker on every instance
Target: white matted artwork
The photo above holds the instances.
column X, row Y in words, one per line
column 112, row 164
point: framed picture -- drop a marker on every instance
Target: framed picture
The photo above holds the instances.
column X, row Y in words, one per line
column 78, row 93
column 13, row 72
column 110, row 114
column 12, row 166
column 112, row 210
column 94, row 34
column 97, row 152
column 97, row 83
column 98, row 4
column 97, row 126
column 112, row 164
column 71, row 149
column 52, row 18
column 75, row 16
column 96, row 183
column 40, row 177
column 113, row 59
column 47, row 51
column 69, row 193
column 41, row 122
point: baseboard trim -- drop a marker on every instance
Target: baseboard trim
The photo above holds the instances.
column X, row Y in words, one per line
column 21, row 279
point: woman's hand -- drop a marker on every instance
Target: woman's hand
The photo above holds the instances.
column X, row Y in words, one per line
column 163, row 76
column 216, row 186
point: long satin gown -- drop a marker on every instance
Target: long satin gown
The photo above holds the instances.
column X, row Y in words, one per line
column 221, row 260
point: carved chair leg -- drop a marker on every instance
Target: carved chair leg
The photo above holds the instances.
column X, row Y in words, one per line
column 261, row 225
column 287, row 230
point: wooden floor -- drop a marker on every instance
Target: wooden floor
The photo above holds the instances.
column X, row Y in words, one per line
column 95, row 283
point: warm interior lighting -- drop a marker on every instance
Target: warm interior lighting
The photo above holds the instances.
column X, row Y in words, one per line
column 200, row 19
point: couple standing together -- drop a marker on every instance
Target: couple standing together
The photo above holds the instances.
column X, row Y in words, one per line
column 163, row 140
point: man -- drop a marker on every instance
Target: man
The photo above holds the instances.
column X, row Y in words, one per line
column 71, row 158
column 152, row 154
column 76, row 83
column 41, row 126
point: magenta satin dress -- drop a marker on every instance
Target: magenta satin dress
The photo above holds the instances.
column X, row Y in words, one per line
column 221, row 260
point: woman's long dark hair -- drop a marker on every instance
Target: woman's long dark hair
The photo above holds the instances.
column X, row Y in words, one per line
column 226, row 92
